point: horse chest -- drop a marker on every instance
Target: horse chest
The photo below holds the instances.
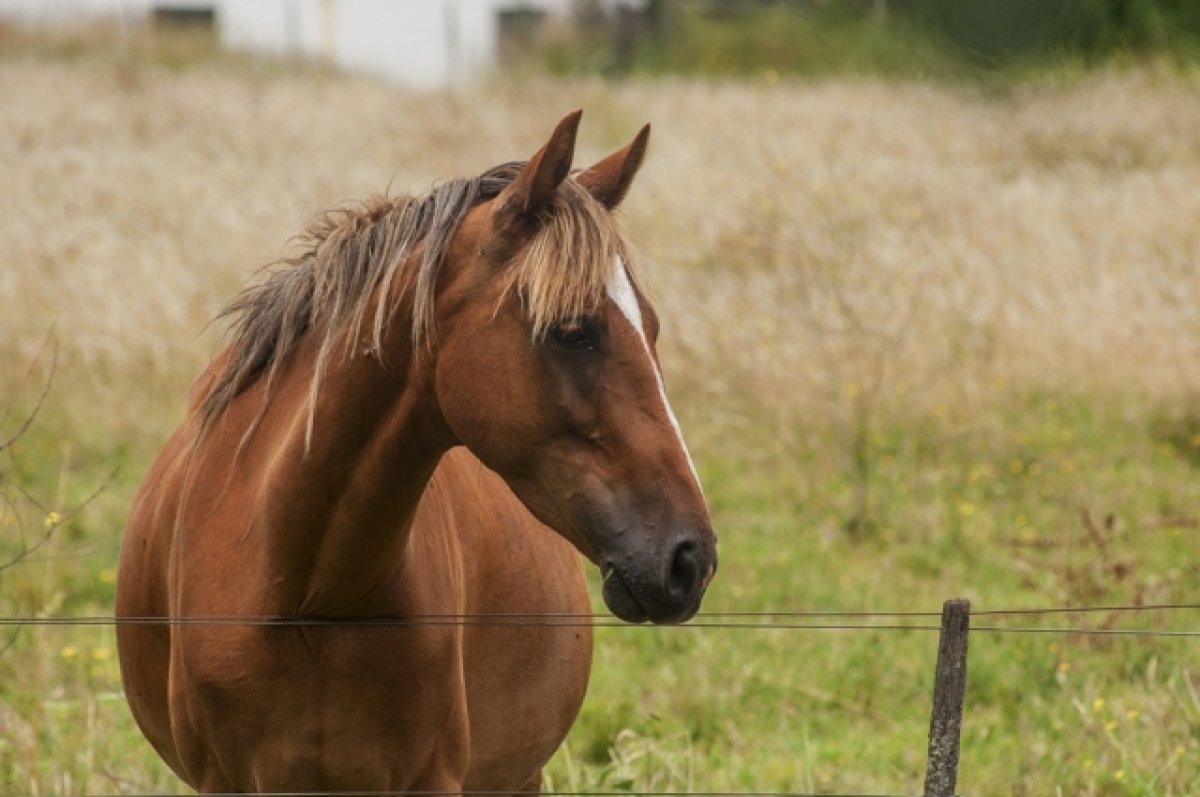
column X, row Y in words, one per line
column 276, row 707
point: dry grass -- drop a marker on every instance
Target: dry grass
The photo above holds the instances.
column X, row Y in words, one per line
column 812, row 239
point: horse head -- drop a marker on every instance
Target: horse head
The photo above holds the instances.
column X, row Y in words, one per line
column 545, row 368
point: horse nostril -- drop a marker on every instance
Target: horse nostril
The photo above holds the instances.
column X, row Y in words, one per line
column 684, row 575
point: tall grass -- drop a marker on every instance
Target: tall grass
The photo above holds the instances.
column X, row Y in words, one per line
column 924, row 342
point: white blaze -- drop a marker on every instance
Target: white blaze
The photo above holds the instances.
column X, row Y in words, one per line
column 620, row 290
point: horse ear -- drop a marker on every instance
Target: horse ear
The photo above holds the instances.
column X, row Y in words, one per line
column 541, row 176
column 609, row 179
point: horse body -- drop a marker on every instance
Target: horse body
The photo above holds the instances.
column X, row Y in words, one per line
column 461, row 479
column 477, row 705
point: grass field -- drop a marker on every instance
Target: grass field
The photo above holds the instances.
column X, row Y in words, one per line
column 926, row 342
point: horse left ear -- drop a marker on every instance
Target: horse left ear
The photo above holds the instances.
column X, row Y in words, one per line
column 608, row 180
column 540, row 178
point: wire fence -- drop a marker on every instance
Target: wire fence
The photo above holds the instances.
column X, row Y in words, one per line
column 946, row 717
column 812, row 620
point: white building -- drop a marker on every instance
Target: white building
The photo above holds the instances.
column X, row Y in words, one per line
column 421, row 42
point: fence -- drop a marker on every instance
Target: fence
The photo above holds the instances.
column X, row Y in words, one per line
column 949, row 683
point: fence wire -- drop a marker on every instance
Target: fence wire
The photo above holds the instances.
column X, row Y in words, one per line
column 737, row 620
column 778, row 619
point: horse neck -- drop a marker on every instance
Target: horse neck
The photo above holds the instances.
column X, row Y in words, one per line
column 336, row 510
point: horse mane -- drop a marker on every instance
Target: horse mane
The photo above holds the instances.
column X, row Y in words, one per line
column 351, row 253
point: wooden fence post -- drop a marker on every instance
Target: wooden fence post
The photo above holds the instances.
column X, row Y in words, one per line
column 949, row 686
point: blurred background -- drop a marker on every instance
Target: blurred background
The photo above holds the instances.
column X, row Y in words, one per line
column 929, row 278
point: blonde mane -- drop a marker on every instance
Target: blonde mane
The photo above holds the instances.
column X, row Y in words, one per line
column 388, row 247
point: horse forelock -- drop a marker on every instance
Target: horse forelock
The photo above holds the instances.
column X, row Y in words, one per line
column 563, row 272
column 349, row 254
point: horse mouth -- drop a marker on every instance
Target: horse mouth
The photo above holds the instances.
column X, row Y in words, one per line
column 624, row 601
column 619, row 598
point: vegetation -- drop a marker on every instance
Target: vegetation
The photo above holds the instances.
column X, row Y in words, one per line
column 976, row 40
column 925, row 343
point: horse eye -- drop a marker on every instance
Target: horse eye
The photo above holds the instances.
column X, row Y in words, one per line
column 578, row 334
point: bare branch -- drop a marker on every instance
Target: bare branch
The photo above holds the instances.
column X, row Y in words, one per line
column 53, row 521
column 37, row 406
column 12, row 640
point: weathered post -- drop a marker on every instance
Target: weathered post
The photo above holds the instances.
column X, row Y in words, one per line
column 949, row 686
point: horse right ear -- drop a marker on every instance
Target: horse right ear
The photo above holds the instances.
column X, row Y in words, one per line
column 540, row 178
column 609, row 179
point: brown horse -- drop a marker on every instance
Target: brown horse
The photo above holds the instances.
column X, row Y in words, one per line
column 418, row 416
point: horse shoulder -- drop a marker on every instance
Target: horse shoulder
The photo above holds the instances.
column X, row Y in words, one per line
column 143, row 592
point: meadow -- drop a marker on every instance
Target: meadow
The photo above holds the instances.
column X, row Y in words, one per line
column 925, row 341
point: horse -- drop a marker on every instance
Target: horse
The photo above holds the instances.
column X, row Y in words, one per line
column 424, row 415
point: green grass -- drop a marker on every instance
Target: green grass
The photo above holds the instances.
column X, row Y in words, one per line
column 1018, row 521
column 1053, row 502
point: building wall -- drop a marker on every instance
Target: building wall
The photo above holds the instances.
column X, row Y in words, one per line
column 417, row 43
column 274, row 26
column 421, row 42
column 82, row 12
column 426, row 43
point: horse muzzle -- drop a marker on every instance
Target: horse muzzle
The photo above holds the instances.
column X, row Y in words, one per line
column 661, row 590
